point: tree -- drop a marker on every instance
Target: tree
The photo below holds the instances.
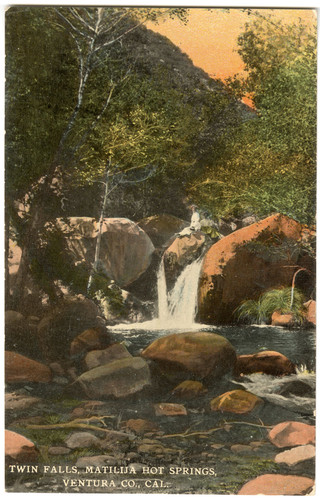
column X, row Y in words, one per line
column 54, row 109
column 269, row 163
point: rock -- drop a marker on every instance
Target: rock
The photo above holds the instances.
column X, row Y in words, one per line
column 102, row 357
column 226, row 228
column 141, row 426
column 246, row 263
column 119, row 378
column 268, row 362
column 296, row 455
column 189, row 389
column 19, row 402
column 18, row 368
column 169, row 409
column 297, row 388
column 202, row 355
column 277, row 484
column 96, row 461
column 59, row 450
column 237, row 401
column 19, row 449
column 310, row 312
column 125, row 252
column 287, row 320
column 82, row 440
column 247, row 221
column 59, row 327
column 292, row 433
column 182, row 252
column 88, row 340
column 160, row 228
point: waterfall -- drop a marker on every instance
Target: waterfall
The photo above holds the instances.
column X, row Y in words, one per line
column 178, row 308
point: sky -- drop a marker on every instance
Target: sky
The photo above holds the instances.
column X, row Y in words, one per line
column 210, row 36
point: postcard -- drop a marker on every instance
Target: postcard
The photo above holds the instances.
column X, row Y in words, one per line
column 160, row 211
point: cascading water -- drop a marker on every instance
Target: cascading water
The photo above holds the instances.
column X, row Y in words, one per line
column 178, row 308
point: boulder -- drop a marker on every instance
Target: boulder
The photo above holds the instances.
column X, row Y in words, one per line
column 201, row 355
column 292, row 433
column 19, row 369
column 125, row 251
column 180, row 253
column 296, row 455
column 169, row 409
column 119, row 378
column 287, row 320
column 19, row 449
column 310, row 308
column 82, row 440
column 19, row 402
column 246, row 263
column 277, row 484
column 59, row 327
column 102, row 357
column 160, row 228
column 237, row 401
column 268, row 362
column 87, row 341
column 189, row 389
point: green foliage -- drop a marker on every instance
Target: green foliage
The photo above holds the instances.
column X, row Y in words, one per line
column 260, row 311
column 268, row 165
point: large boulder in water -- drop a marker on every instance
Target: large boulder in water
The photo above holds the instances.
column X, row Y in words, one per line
column 248, row 262
column 160, row 228
column 200, row 355
column 268, row 362
column 125, row 251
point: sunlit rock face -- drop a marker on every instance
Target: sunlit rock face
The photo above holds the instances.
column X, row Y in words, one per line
column 248, row 262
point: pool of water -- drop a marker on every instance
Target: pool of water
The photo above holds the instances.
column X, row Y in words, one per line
column 298, row 345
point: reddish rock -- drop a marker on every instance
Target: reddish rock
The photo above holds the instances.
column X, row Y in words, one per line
column 102, row 357
column 200, row 354
column 239, row 267
column 87, row 341
column 296, row 455
column 160, row 228
column 238, row 401
column 169, row 409
column 268, row 362
column 310, row 312
column 182, row 252
column 189, row 389
column 19, row 449
column 287, row 320
column 18, row 368
column 141, row 426
column 277, row 484
column 292, row 433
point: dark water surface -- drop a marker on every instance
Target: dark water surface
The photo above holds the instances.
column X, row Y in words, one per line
column 298, row 345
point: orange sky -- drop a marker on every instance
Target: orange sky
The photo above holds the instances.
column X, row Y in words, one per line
column 210, row 37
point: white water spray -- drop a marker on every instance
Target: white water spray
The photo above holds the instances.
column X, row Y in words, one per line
column 178, row 308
